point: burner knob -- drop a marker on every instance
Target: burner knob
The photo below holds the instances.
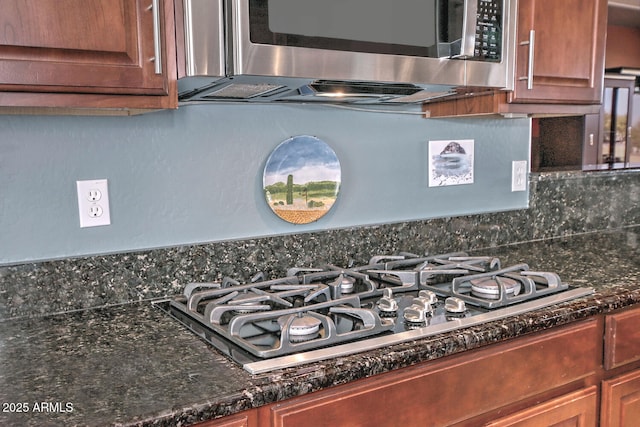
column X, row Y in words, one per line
column 418, row 311
column 387, row 304
column 428, row 296
column 454, row 305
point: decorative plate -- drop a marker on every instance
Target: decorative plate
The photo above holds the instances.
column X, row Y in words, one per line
column 301, row 179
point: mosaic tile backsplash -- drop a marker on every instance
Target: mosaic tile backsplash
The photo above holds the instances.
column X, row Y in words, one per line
column 561, row 204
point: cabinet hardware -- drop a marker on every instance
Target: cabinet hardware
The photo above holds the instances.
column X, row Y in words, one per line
column 531, row 43
column 157, row 44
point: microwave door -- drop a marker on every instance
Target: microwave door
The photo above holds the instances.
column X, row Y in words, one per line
column 455, row 22
column 368, row 40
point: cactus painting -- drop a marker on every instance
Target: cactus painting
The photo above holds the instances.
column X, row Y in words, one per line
column 301, row 179
column 289, row 189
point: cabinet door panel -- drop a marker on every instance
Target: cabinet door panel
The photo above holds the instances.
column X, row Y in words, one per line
column 621, row 401
column 622, row 338
column 577, row 409
column 79, row 46
column 568, row 51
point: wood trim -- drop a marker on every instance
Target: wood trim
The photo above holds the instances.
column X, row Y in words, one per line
column 243, row 419
column 470, row 105
column 498, row 103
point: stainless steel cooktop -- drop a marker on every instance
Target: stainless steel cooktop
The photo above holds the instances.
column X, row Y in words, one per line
column 316, row 314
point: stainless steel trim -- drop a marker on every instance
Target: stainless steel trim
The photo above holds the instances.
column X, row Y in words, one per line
column 531, row 43
column 469, row 23
column 204, row 38
column 378, row 342
column 157, row 43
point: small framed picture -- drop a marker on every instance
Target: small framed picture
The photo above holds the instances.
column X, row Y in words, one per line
column 450, row 162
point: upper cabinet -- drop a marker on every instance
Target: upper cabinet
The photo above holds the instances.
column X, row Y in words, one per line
column 559, row 63
column 87, row 54
column 560, row 56
column 623, row 35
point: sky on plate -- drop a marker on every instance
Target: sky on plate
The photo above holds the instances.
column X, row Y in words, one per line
column 305, row 157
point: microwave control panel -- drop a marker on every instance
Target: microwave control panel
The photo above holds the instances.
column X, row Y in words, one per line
column 488, row 41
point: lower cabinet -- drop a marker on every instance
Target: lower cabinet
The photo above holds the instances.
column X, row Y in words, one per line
column 621, row 401
column 621, row 393
column 577, row 409
column 568, row 376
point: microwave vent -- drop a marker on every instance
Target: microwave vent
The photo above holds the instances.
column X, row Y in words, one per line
column 242, row 91
column 422, row 96
column 385, row 92
column 364, row 88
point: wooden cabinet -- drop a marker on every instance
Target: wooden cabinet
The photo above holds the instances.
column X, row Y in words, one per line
column 622, row 338
column 95, row 54
column 621, row 394
column 578, row 409
column 560, row 54
column 559, row 64
column 621, row 401
column 567, row 376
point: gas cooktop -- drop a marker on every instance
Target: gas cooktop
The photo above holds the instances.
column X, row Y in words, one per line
column 313, row 314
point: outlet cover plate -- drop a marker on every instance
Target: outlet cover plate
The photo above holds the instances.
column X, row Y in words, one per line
column 519, row 174
column 93, row 203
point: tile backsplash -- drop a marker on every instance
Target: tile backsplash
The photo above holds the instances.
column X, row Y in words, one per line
column 561, row 203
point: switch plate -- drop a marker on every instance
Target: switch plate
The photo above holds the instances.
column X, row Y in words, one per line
column 93, row 203
column 519, row 175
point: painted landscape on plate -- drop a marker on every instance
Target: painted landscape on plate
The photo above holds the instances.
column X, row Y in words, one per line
column 302, row 179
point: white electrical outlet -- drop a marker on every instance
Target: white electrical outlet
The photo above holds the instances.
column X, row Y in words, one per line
column 519, row 175
column 93, row 203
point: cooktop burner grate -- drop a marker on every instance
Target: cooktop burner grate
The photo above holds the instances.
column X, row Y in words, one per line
column 314, row 314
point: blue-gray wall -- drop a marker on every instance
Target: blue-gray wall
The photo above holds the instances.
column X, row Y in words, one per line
column 195, row 175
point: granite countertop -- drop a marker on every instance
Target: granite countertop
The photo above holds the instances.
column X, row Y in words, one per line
column 133, row 365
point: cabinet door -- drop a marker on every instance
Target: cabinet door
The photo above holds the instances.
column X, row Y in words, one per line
column 81, row 46
column 621, row 401
column 622, row 338
column 577, row 409
column 617, row 108
column 560, row 52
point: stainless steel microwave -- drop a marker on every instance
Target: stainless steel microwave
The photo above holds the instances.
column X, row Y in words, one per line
column 368, row 51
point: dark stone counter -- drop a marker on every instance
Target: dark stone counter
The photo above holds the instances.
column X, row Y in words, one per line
column 133, row 365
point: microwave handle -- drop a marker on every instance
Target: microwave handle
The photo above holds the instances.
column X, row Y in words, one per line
column 531, row 43
column 470, row 21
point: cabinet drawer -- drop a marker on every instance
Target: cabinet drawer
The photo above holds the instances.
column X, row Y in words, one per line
column 622, row 338
column 456, row 389
column 577, row 409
